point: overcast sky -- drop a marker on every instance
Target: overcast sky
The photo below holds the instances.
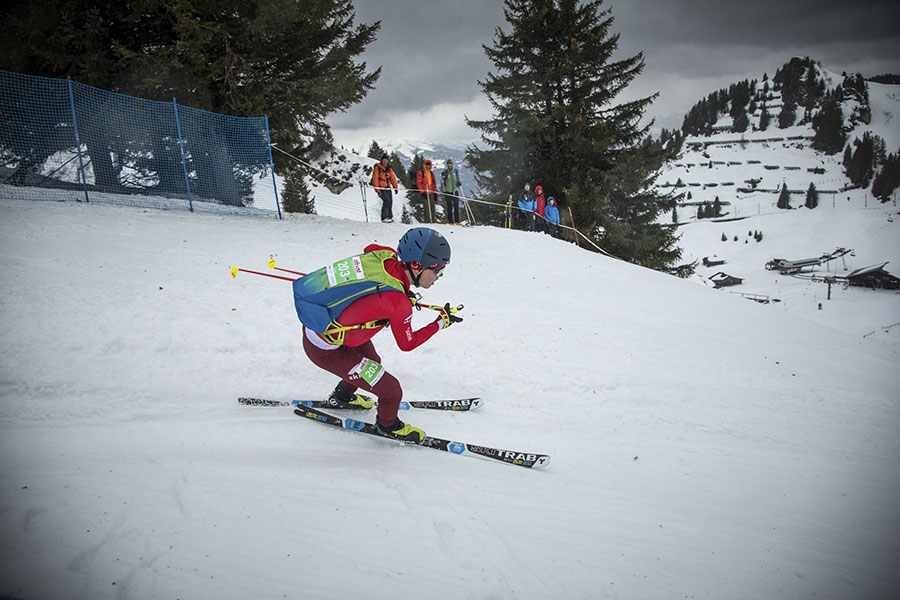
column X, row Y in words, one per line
column 431, row 55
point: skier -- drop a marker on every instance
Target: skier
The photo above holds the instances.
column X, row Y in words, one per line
column 419, row 260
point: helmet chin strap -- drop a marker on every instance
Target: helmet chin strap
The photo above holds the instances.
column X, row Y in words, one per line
column 415, row 276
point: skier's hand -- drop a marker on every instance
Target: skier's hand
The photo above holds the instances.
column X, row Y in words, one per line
column 448, row 316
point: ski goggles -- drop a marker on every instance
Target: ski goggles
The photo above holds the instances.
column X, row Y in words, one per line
column 438, row 268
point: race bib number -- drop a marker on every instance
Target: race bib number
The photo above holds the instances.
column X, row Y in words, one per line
column 349, row 269
column 369, row 371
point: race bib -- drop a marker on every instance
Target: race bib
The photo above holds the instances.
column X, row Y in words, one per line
column 369, row 371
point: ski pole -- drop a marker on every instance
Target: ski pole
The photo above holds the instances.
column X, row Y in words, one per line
column 236, row 270
column 453, row 309
column 271, row 265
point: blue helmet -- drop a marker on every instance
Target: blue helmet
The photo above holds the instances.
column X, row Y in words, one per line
column 424, row 246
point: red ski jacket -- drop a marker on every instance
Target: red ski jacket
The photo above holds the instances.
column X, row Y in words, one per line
column 391, row 305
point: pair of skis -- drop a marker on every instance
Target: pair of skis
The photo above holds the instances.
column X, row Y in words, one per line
column 311, row 409
column 461, row 404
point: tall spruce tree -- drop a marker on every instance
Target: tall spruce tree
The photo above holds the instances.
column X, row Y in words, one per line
column 888, row 178
column 828, row 124
column 812, row 196
column 784, row 197
column 555, row 124
column 296, row 195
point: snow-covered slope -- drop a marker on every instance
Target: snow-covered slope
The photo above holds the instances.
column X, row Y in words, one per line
column 745, row 173
column 703, row 446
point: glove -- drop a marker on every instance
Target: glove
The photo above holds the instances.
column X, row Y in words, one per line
column 447, row 318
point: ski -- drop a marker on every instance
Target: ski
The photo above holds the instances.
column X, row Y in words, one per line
column 528, row 460
column 457, row 405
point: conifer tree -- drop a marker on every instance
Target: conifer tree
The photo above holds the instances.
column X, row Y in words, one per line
column 828, row 124
column 555, row 123
column 788, row 114
column 812, row 196
column 764, row 118
column 375, row 151
column 888, row 178
column 784, row 198
column 295, row 197
column 416, row 201
column 860, row 164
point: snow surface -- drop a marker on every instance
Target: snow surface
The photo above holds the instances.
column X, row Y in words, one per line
column 704, row 446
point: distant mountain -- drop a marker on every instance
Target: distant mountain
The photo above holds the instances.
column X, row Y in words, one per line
column 438, row 152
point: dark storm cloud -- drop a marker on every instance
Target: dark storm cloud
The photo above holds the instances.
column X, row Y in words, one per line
column 712, row 23
column 431, row 52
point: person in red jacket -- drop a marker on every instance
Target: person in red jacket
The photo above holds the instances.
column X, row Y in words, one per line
column 383, row 179
column 427, row 186
column 539, row 219
column 420, row 259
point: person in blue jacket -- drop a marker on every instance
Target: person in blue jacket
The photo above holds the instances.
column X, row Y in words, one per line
column 527, row 205
column 551, row 213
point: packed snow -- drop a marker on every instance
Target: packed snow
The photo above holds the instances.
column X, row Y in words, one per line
column 703, row 445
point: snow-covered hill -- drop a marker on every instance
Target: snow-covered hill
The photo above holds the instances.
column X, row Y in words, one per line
column 745, row 173
column 703, row 446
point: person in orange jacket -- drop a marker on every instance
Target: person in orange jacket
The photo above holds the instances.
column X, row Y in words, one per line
column 427, row 186
column 383, row 179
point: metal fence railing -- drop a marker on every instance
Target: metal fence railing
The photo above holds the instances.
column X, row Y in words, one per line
column 68, row 141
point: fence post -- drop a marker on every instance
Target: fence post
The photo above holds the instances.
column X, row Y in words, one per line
column 77, row 141
column 187, row 180
column 272, row 166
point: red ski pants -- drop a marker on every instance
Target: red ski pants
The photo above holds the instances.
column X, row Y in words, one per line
column 360, row 367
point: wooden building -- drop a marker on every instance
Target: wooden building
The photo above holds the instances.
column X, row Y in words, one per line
column 874, row 277
column 721, row 280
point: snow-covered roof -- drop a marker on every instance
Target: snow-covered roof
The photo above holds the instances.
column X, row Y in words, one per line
column 869, row 269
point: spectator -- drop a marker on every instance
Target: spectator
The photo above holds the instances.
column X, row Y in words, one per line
column 427, row 187
column 450, row 188
column 541, row 204
column 383, row 179
column 551, row 213
column 527, row 204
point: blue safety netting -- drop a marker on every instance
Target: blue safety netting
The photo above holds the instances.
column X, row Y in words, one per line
column 64, row 140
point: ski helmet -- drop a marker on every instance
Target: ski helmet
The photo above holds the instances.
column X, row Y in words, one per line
column 424, row 246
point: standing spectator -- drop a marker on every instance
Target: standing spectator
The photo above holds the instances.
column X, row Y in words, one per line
column 427, row 187
column 383, row 179
column 527, row 204
column 551, row 213
column 541, row 204
column 450, row 188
